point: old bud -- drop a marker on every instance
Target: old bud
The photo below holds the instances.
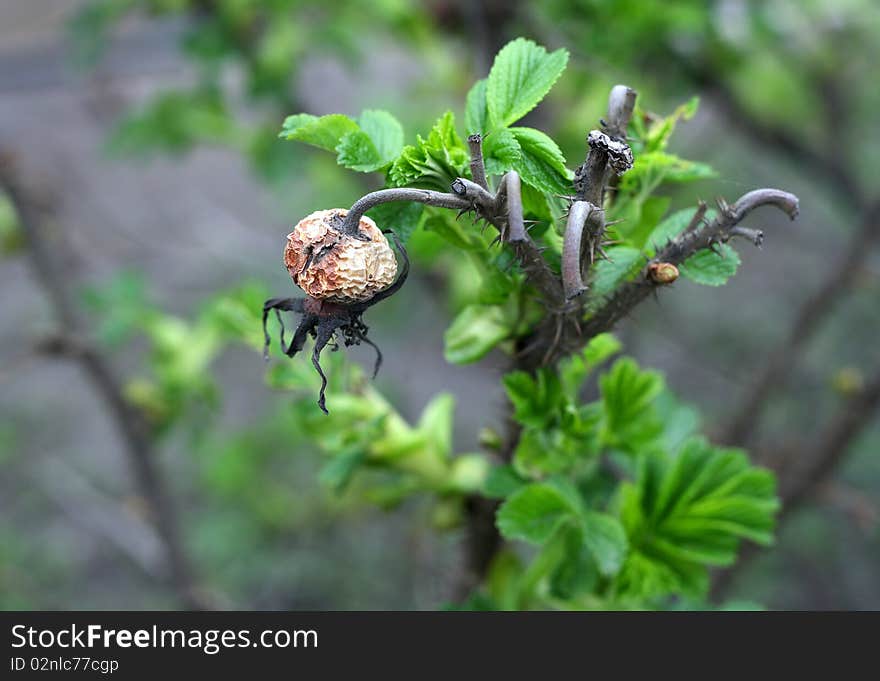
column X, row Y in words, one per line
column 330, row 265
column 620, row 156
column 662, row 272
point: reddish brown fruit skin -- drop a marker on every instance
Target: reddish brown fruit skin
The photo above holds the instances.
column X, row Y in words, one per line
column 330, row 265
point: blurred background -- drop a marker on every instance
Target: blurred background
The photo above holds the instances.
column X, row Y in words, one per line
column 139, row 140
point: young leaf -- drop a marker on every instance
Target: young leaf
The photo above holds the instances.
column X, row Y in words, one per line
column 541, row 163
column 377, row 142
column 622, row 263
column 324, row 132
column 474, row 332
column 523, row 72
column 502, row 481
column 533, row 513
column 501, row 152
column 606, row 539
column 710, row 268
column 401, row 216
column 433, row 162
column 627, row 395
column 537, row 400
column 670, row 228
column 688, row 512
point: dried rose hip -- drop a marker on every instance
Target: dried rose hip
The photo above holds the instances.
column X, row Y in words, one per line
column 328, row 264
column 343, row 275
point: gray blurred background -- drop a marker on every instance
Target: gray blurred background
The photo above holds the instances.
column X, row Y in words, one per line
column 205, row 216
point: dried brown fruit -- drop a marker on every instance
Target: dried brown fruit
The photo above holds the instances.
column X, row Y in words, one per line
column 329, row 264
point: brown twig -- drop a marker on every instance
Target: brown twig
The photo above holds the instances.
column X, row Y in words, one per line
column 70, row 342
column 693, row 239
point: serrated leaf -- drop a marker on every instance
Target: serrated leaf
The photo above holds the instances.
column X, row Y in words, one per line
column 688, row 512
column 627, row 396
column 324, row 131
column 600, row 348
column 545, row 451
column 622, row 263
column 402, row 217
column 502, row 481
column 541, row 163
column 433, row 162
column 377, row 142
column 475, row 112
column 605, row 537
column 501, row 152
column 710, row 268
column 443, row 222
column 533, row 513
column 385, row 131
column 536, row 399
column 474, row 332
column 670, row 228
column 522, row 74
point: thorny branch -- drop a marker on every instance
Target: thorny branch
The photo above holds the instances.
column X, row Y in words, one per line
column 69, row 341
column 503, row 210
column 564, row 329
column 695, row 238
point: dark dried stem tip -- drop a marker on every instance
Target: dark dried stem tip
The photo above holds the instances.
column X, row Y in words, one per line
column 478, row 167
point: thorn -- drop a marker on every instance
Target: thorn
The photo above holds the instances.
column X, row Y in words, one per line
column 603, row 254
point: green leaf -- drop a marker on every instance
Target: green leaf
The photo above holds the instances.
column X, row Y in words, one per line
column 622, row 263
column 643, row 218
column 627, row 397
column 670, row 228
column 501, row 152
column 656, row 137
column 337, row 472
column 474, row 332
column 522, row 74
column 541, row 163
column 401, row 216
column 385, row 132
column 535, row 399
column 546, row 451
column 324, row 132
column 533, row 513
column 436, row 423
column 443, row 222
column 475, row 112
column 574, row 371
column 433, row 162
column 691, row 511
column 375, row 145
column 600, row 348
column 710, row 268
column 605, row 537
column 502, row 481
